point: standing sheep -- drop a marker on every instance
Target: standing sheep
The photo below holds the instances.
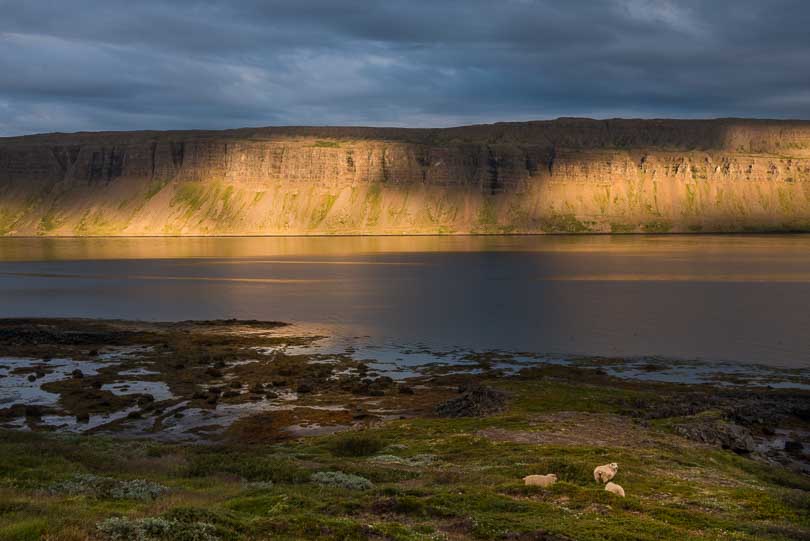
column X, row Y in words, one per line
column 603, row 474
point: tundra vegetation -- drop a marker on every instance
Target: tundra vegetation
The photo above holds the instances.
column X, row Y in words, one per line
column 402, row 461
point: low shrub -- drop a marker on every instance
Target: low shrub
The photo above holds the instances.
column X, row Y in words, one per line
column 340, row 479
column 155, row 529
column 107, row 487
column 357, row 444
column 415, row 461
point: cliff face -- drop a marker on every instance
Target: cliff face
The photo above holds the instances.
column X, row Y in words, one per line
column 568, row 175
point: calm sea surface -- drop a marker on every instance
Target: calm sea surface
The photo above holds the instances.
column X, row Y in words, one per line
column 740, row 298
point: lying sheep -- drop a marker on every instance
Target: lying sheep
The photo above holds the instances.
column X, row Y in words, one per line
column 544, row 481
column 615, row 489
column 603, row 474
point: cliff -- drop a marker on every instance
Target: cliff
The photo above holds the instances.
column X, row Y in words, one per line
column 566, row 175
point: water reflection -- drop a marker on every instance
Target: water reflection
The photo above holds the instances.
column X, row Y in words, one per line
column 711, row 297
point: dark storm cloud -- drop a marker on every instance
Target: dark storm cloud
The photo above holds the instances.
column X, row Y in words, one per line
column 89, row 65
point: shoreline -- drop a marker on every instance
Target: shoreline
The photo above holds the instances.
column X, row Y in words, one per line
column 232, row 419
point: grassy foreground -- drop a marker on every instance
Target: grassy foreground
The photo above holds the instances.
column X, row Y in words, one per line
column 408, row 479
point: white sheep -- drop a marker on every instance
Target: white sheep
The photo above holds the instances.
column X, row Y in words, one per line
column 615, row 489
column 603, row 474
column 544, row 481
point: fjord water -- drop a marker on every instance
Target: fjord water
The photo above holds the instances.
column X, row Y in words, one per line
column 737, row 297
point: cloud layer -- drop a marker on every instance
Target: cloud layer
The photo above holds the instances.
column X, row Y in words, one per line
column 118, row 64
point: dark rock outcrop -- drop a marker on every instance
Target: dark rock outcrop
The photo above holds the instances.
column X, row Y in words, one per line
column 722, row 433
column 476, row 401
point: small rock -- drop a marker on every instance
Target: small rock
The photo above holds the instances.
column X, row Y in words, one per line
column 78, row 374
column 236, row 384
column 794, row 446
column 304, row 388
column 32, row 377
column 35, row 412
column 405, row 389
column 82, row 417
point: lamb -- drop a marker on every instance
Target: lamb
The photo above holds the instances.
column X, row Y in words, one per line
column 603, row 474
column 615, row 489
column 544, row 481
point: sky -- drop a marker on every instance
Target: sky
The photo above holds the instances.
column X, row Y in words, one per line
column 182, row 64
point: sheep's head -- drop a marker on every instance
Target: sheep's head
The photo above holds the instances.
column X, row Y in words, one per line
column 553, row 476
column 614, row 466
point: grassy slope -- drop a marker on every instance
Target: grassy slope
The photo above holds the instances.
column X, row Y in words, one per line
column 472, row 490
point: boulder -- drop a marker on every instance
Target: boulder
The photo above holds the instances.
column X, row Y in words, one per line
column 477, row 401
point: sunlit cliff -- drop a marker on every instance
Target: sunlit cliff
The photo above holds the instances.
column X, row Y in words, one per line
column 561, row 176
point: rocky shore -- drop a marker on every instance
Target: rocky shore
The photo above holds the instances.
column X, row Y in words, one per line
column 237, row 421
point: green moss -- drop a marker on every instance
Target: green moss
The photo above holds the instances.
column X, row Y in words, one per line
column 154, row 187
column 190, row 195
column 691, row 198
column 657, row 227
column 7, row 220
column 326, row 144
column 357, row 444
column 26, row 529
column 49, row 221
column 487, row 219
column 322, row 210
column 95, row 223
column 616, row 227
column 373, row 204
column 564, row 223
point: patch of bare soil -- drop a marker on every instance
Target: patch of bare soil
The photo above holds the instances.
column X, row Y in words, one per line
column 581, row 428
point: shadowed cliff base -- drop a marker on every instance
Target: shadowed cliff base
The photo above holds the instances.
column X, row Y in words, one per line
column 560, row 176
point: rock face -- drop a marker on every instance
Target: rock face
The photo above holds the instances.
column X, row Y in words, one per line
column 726, row 435
column 561, row 176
